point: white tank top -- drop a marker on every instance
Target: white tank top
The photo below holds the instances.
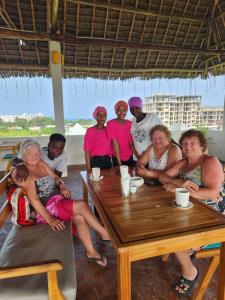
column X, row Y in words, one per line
column 155, row 164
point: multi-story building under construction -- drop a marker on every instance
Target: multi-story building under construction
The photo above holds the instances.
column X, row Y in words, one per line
column 183, row 110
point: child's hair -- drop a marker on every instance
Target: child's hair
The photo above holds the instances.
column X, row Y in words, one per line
column 57, row 137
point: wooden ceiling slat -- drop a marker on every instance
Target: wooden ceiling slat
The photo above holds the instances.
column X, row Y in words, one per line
column 34, row 28
column 21, row 27
column 48, row 9
column 129, row 37
column 138, row 11
column 6, row 55
column 64, row 21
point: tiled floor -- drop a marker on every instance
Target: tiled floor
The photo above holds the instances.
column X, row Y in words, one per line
column 151, row 278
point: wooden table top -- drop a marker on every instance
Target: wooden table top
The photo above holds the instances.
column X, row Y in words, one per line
column 149, row 212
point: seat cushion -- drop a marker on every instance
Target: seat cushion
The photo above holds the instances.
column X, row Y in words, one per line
column 36, row 243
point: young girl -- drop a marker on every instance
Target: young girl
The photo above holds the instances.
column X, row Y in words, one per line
column 97, row 145
column 119, row 132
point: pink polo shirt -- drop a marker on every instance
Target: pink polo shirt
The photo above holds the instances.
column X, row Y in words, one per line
column 97, row 142
column 121, row 133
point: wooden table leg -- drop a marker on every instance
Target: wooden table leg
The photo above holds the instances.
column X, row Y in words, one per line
column 85, row 191
column 124, row 276
column 221, row 283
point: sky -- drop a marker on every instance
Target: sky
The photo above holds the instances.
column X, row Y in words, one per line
column 81, row 96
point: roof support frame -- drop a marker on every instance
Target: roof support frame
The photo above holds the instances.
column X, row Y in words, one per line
column 6, row 33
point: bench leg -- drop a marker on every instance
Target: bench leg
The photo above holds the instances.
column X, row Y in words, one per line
column 54, row 292
column 205, row 278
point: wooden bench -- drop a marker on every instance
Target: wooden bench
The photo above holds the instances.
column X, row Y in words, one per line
column 45, row 255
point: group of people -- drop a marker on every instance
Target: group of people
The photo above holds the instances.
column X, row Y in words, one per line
column 157, row 157
column 144, row 143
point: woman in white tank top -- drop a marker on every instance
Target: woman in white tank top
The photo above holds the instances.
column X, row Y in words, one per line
column 160, row 155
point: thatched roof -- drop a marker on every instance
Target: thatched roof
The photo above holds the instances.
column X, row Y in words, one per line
column 114, row 38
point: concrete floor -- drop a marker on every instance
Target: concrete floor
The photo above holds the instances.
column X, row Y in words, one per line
column 151, row 278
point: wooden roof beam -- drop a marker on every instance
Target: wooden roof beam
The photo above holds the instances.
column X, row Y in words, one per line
column 6, row 33
column 139, row 11
column 54, row 16
column 31, row 67
column 210, row 32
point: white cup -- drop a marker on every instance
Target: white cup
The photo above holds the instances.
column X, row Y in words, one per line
column 125, row 186
column 133, row 189
column 182, row 197
column 124, row 171
column 95, row 173
column 137, row 181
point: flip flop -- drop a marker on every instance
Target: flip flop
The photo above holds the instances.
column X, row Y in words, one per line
column 185, row 286
column 100, row 261
column 103, row 240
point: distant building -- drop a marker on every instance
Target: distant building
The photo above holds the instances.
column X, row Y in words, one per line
column 211, row 117
column 35, row 128
column 12, row 118
column 186, row 110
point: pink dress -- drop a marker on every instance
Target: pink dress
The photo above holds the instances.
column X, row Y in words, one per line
column 121, row 133
column 97, row 142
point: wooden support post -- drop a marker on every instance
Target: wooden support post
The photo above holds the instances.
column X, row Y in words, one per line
column 124, row 275
column 56, row 72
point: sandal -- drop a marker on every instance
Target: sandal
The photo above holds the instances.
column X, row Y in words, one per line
column 100, row 261
column 185, row 286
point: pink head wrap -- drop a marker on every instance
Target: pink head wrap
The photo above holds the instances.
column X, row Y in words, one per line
column 121, row 103
column 99, row 109
column 135, row 102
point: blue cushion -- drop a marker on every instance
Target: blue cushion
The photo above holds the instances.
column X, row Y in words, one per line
column 212, row 246
column 8, row 156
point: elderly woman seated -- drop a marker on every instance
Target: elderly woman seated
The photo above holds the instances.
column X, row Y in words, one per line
column 160, row 155
column 203, row 176
column 50, row 199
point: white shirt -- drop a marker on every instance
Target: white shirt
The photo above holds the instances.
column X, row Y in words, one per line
column 59, row 163
column 140, row 131
column 158, row 164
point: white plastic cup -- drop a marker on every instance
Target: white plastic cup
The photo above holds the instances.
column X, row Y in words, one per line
column 182, row 197
column 125, row 186
column 133, row 189
column 124, row 171
column 96, row 172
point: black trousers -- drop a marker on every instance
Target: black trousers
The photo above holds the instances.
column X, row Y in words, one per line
column 130, row 162
column 102, row 162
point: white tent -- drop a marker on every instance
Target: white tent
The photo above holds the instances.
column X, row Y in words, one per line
column 77, row 129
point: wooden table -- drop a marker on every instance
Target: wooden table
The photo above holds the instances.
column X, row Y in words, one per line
column 10, row 146
column 145, row 224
